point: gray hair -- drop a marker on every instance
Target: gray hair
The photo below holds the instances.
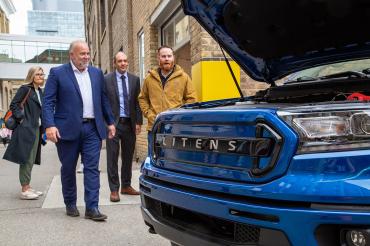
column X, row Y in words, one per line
column 74, row 44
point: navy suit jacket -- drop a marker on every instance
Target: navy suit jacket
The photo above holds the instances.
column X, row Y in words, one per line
column 62, row 105
column 134, row 91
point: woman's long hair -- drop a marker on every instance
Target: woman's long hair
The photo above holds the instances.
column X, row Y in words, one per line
column 32, row 73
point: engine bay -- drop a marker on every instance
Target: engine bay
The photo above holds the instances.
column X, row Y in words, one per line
column 317, row 91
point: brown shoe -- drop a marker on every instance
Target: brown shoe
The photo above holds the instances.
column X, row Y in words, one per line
column 114, row 197
column 129, row 191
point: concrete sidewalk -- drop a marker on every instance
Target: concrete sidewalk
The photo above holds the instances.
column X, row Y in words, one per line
column 43, row 221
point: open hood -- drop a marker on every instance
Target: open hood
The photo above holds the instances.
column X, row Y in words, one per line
column 271, row 39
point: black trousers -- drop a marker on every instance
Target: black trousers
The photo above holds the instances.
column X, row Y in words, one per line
column 125, row 138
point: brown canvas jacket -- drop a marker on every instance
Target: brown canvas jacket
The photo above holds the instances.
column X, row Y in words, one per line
column 154, row 99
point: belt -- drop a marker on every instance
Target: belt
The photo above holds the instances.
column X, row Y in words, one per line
column 87, row 120
column 124, row 120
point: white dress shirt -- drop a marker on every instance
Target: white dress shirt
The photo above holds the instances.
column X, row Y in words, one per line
column 84, row 82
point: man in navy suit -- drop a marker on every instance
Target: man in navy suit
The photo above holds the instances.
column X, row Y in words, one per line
column 123, row 89
column 76, row 113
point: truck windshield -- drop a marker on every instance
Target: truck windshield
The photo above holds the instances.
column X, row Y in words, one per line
column 349, row 68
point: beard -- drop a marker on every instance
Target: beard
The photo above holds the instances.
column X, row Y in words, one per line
column 83, row 64
column 167, row 66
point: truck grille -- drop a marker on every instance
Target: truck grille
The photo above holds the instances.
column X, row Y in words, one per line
column 237, row 151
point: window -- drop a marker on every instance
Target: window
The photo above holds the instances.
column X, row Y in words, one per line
column 5, row 51
column 113, row 5
column 168, row 33
column 15, row 51
column 94, row 38
column 141, row 56
column 102, row 15
column 182, row 30
column 175, row 33
column 31, row 51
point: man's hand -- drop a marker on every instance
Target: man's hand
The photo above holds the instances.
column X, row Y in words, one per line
column 111, row 131
column 138, row 129
column 52, row 134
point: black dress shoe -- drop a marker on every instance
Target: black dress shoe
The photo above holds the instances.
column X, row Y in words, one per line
column 72, row 211
column 94, row 214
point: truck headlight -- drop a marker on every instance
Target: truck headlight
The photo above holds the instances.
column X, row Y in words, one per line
column 330, row 131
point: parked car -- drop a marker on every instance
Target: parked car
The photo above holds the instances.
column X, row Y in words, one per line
column 288, row 166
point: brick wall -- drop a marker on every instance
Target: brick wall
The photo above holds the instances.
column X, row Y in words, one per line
column 204, row 46
column 141, row 11
column 249, row 86
column 125, row 20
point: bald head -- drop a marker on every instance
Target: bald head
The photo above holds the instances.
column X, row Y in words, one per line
column 120, row 62
column 119, row 53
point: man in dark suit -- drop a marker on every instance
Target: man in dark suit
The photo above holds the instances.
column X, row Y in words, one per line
column 75, row 112
column 122, row 89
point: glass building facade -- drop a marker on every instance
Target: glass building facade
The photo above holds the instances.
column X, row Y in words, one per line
column 56, row 23
column 33, row 51
column 58, row 5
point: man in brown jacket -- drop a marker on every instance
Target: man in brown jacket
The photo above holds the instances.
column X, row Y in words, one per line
column 165, row 87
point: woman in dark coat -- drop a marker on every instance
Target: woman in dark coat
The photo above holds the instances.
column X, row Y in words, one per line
column 25, row 144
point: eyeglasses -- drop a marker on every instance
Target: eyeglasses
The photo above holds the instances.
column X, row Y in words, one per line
column 40, row 74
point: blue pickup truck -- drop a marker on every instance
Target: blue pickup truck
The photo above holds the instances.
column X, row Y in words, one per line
column 287, row 166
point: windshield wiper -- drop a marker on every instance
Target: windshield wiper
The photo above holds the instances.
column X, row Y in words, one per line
column 301, row 79
column 347, row 74
column 366, row 71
